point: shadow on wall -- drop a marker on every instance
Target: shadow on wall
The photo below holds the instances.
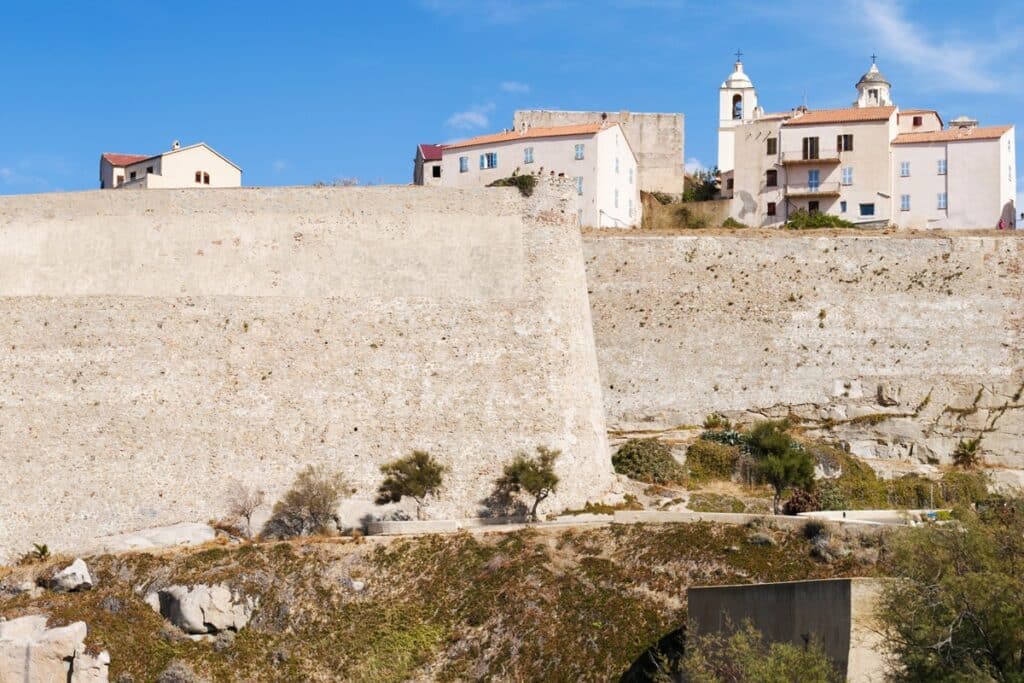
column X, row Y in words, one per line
column 748, row 206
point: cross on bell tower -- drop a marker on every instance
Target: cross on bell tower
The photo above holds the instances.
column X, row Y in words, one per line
column 739, row 56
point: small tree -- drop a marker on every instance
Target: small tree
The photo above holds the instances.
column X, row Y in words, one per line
column 779, row 460
column 310, row 505
column 968, row 453
column 243, row 502
column 417, row 476
column 534, row 476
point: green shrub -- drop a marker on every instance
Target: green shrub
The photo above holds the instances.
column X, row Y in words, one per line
column 968, row 453
column 533, row 476
column 525, row 183
column 802, row 220
column 716, row 502
column 707, row 460
column 963, row 488
column 649, row 461
column 727, row 436
column 780, row 460
column 662, row 198
column 686, row 218
column 701, row 186
column 716, row 421
column 830, row 496
column 309, row 507
column 731, row 222
column 417, row 476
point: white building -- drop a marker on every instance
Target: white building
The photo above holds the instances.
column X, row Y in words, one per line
column 871, row 163
column 595, row 156
column 197, row 165
column 427, row 165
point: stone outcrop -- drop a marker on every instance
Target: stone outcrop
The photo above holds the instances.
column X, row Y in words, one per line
column 200, row 610
column 74, row 577
column 32, row 653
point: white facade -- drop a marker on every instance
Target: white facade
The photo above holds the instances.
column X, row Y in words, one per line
column 427, row 165
column 871, row 165
column 181, row 167
column 597, row 158
column 737, row 104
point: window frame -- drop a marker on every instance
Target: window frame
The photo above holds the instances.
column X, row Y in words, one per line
column 771, row 209
column 464, row 164
column 579, row 185
column 904, row 169
column 579, row 151
column 772, row 146
column 942, row 201
column 528, row 155
column 866, row 205
column 771, row 178
column 847, row 176
column 943, row 166
column 904, row 202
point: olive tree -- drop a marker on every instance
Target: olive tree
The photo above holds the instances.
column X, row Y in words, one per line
column 533, row 476
column 417, row 476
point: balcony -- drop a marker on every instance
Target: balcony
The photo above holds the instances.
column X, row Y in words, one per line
column 816, row 190
column 825, row 156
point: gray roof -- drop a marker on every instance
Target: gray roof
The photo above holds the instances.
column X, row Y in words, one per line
column 874, row 76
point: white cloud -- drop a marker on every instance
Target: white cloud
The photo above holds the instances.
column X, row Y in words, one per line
column 281, row 165
column 492, row 11
column 967, row 66
column 515, row 87
column 693, row 164
column 476, row 117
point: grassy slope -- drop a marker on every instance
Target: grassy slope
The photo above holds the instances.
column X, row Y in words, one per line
column 531, row 605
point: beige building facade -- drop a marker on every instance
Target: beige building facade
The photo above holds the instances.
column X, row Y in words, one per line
column 871, row 164
column 657, row 140
column 596, row 157
column 194, row 166
column 427, row 165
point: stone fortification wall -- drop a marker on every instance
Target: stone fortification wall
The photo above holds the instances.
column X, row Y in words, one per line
column 656, row 139
column 159, row 345
column 900, row 346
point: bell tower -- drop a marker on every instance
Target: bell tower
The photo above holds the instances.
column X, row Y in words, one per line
column 873, row 88
column 737, row 104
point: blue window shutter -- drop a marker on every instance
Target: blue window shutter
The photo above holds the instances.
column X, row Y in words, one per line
column 495, row 160
column 481, row 161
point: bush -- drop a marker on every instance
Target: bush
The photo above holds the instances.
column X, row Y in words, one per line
column 243, row 502
column 801, row 501
column 963, row 488
column 727, row 436
column 968, row 453
column 662, row 198
column 715, row 502
column 417, row 476
column 710, row 460
column 716, row 421
column 533, row 476
column 309, row 507
column 525, row 183
column 802, row 220
column 830, row 496
column 731, row 222
column 701, row 186
column 780, row 460
column 649, row 461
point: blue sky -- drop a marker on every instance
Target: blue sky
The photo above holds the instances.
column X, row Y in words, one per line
column 302, row 92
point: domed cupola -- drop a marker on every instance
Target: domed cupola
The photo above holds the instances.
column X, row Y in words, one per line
column 873, row 88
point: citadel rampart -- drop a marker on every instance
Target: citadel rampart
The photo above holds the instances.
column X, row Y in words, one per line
column 901, row 345
column 159, row 345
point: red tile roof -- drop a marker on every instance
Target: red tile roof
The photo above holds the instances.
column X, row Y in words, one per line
column 430, row 152
column 953, row 135
column 124, row 159
column 551, row 132
column 848, row 115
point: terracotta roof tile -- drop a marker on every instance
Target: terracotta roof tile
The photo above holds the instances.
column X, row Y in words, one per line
column 953, row 135
column 848, row 115
column 124, row 159
column 532, row 133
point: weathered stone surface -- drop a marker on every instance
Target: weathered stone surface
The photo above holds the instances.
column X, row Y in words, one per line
column 184, row 533
column 74, row 577
column 203, row 609
column 32, row 653
column 169, row 342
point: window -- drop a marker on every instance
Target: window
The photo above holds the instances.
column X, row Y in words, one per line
column 730, row 183
column 579, row 184
column 436, row 170
column 813, row 207
column 771, row 209
column 616, row 199
column 463, row 164
column 579, row 152
column 616, row 164
column 842, row 206
column 131, row 176
column 206, row 179
column 199, row 176
column 772, row 145
column 149, row 169
column 943, row 202
column 737, row 107
column 630, row 175
column 873, row 95
column 771, row 178
column 810, row 148
column 813, row 180
column 918, row 120
column 844, row 143
column 848, row 175
column 528, row 155
column 904, row 169
column 905, row 202
column 489, row 160
column 942, row 167
column 867, row 209
column 120, row 181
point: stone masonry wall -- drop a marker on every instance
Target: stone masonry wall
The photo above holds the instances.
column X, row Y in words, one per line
column 900, row 346
column 159, row 345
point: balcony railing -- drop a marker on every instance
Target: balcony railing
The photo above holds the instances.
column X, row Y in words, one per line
column 813, row 190
column 825, row 156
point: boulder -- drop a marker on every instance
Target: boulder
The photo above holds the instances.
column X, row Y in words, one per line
column 32, row 653
column 75, row 577
column 202, row 609
column 185, row 533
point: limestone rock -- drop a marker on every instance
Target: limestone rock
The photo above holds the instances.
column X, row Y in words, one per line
column 74, row 577
column 32, row 653
column 202, row 609
column 186, row 533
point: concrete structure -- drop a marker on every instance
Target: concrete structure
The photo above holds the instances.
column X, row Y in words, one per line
column 657, row 140
column 596, row 157
column 197, row 165
column 838, row 614
column 855, row 162
column 427, row 165
column 900, row 346
column 159, row 345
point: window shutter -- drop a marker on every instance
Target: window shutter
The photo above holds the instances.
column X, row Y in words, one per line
column 481, row 161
